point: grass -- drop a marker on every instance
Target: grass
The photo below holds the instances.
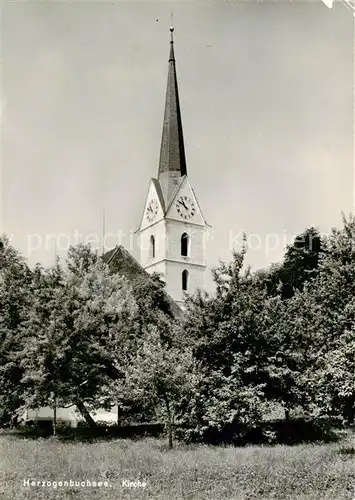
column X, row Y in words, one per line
column 200, row 472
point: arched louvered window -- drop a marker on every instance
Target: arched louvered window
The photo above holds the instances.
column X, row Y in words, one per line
column 184, row 245
column 152, row 247
column 185, row 279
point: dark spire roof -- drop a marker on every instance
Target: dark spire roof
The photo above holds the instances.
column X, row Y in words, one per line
column 172, row 163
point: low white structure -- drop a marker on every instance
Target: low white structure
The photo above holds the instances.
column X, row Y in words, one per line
column 69, row 415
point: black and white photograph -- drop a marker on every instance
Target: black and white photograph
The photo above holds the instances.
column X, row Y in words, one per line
column 177, row 250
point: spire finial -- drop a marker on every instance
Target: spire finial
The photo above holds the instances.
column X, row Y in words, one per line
column 171, row 25
column 171, row 57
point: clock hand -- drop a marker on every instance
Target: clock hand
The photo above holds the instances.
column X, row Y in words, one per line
column 183, row 203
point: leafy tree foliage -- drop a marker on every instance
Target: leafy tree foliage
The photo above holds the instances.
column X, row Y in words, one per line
column 299, row 265
column 154, row 306
column 230, row 348
column 282, row 350
column 80, row 335
column 15, row 303
column 330, row 304
column 79, row 319
column 158, row 374
column 42, row 353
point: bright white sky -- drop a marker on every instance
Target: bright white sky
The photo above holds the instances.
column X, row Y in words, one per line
column 266, row 93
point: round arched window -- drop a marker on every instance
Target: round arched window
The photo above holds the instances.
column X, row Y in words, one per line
column 185, row 279
column 184, row 245
column 152, row 247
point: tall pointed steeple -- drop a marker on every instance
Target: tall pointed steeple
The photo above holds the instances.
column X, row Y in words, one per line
column 172, row 215
column 172, row 162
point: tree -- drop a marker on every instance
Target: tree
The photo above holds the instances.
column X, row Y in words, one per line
column 15, row 303
column 100, row 316
column 154, row 307
column 291, row 350
column 42, row 355
column 230, row 347
column 313, row 363
column 219, row 407
column 158, row 374
column 332, row 293
column 300, row 263
column 79, row 318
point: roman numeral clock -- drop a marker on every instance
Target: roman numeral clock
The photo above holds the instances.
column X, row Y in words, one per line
column 185, row 207
column 152, row 210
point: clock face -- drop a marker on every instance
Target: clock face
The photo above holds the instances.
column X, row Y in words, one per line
column 152, row 210
column 185, row 207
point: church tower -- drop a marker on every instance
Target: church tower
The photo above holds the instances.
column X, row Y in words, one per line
column 172, row 229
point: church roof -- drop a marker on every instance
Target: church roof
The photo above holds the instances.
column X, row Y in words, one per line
column 172, row 162
column 160, row 194
column 120, row 261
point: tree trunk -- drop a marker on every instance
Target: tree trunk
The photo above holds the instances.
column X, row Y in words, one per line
column 287, row 414
column 84, row 412
column 170, row 435
column 55, row 417
column 118, row 416
column 169, row 423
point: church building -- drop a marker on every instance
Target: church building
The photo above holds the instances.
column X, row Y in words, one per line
column 172, row 228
